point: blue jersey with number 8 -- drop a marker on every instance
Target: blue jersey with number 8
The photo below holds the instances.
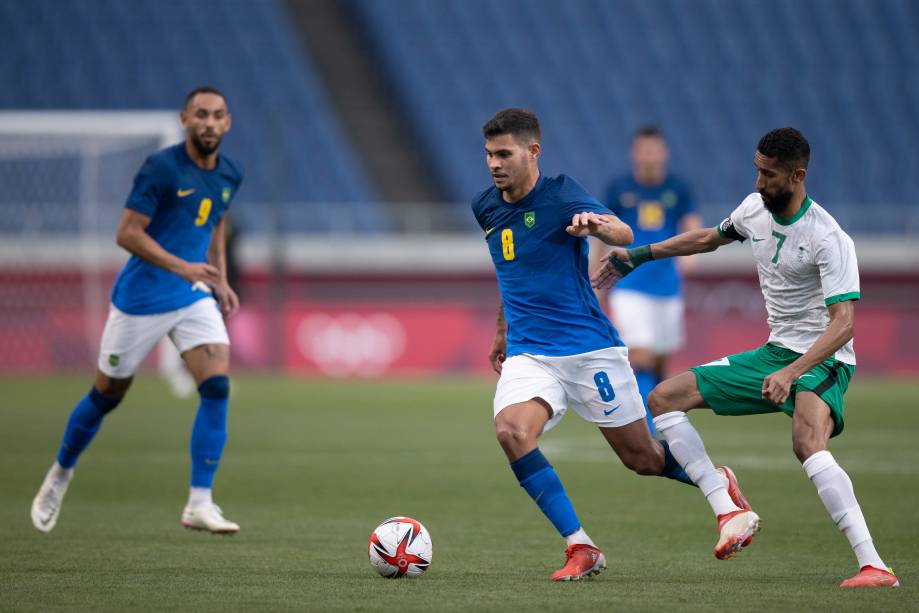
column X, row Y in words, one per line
column 542, row 270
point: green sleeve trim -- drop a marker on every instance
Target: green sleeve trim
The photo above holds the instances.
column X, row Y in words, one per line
column 842, row 298
column 721, row 232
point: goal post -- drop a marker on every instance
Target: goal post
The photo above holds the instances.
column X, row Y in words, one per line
column 65, row 178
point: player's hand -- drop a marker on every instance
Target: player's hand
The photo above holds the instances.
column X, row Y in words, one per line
column 193, row 272
column 777, row 386
column 608, row 274
column 584, row 224
column 498, row 352
column 227, row 299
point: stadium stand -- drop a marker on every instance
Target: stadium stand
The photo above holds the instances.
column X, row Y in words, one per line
column 709, row 72
column 145, row 54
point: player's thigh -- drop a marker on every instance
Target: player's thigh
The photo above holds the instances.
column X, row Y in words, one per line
column 525, row 378
column 829, row 382
column 733, row 385
column 633, row 318
column 601, row 387
column 128, row 339
column 201, row 337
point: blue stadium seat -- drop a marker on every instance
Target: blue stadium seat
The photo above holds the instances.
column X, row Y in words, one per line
column 714, row 74
column 146, row 54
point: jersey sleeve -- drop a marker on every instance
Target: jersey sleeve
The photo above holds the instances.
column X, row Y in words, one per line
column 735, row 226
column 836, row 261
column 150, row 184
column 576, row 199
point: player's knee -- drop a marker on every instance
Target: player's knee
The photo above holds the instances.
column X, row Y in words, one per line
column 657, row 401
column 217, row 386
column 104, row 402
column 111, row 389
column 805, row 446
column 512, row 436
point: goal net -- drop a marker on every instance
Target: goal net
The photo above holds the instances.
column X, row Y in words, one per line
column 65, row 177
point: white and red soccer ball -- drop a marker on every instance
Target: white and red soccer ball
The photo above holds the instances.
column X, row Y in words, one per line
column 400, row 547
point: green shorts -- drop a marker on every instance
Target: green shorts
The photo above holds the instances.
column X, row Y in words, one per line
column 734, row 385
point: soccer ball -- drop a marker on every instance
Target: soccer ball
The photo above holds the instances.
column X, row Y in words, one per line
column 400, row 547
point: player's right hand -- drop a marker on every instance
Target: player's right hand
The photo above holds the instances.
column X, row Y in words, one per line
column 194, row 272
column 498, row 352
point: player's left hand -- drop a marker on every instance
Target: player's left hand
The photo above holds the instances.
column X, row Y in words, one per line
column 777, row 386
column 227, row 299
column 584, row 224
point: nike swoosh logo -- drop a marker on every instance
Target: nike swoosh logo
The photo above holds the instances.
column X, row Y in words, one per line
column 47, row 521
column 756, row 240
column 536, row 500
column 610, row 412
column 807, row 375
column 842, row 518
column 489, row 230
column 187, row 192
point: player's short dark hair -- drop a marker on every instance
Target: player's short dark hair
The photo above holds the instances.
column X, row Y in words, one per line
column 788, row 146
column 519, row 123
column 203, row 89
column 648, row 131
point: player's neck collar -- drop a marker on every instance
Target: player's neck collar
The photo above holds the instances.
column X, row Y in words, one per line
column 787, row 222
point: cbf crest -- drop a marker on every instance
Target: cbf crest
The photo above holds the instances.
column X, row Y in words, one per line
column 529, row 219
column 226, row 194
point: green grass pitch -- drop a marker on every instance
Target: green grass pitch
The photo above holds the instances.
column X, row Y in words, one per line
column 312, row 466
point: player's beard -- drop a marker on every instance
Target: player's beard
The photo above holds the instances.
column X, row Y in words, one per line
column 778, row 203
column 203, row 149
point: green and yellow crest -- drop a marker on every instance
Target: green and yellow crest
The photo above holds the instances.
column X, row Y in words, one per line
column 529, row 219
column 226, row 194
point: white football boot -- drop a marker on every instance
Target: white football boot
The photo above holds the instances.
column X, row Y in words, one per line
column 208, row 517
column 50, row 496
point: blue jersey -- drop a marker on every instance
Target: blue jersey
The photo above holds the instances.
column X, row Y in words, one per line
column 184, row 203
column 654, row 213
column 549, row 305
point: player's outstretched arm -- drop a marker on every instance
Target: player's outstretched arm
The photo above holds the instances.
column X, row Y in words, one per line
column 132, row 236
column 217, row 257
column 608, row 228
column 623, row 261
column 498, row 352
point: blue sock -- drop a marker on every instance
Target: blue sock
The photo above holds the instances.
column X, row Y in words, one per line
column 209, row 434
column 646, row 382
column 672, row 468
column 83, row 424
column 538, row 478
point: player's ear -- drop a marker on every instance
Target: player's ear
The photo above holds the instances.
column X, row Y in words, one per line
column 535, row 150
column 229, row 123
column 798, row 175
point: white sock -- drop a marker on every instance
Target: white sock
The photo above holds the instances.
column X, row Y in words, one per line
column 835, row 490
column 199, row 497
column 579, row 538
column 60, row 473
column 687, row 447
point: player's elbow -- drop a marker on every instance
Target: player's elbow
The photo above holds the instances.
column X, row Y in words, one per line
column 125, row 237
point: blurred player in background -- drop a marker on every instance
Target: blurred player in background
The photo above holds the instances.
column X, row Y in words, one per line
column 174, row 284
column 553, row 345
column 647, row 307
column 809, row 278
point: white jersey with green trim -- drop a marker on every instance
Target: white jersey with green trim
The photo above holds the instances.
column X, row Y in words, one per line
column 805, row 264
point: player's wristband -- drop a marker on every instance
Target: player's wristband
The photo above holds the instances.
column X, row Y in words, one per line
column 637, row 257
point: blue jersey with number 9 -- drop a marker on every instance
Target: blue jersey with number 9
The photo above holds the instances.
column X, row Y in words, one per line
column 184, row 203
column 542, row 271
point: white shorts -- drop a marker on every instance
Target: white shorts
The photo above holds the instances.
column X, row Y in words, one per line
column 127, row 339
column 600, row 386
column 648, row 322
